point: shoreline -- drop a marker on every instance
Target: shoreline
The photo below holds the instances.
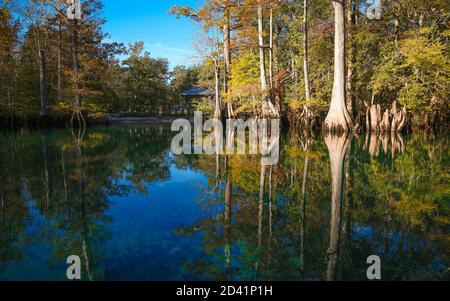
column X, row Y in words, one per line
column 118, row 119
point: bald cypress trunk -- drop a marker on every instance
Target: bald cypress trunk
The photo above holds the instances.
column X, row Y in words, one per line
column 227, row 56
column 43, row 82
column 396, row 28
column 77, row 100
column 350, row 99
column 262, row 59
column 218, row 109
column 307, row 116
column 338, row 119
column 271, row 50
column 59, row 67
column 305, row 53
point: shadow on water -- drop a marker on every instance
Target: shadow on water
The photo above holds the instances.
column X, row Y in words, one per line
column 131, row 210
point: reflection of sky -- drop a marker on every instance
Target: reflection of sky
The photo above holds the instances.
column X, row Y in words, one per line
column 142, row 243
column 142, row 228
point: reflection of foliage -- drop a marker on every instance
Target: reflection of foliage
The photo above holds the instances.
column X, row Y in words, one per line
column 395, row 207
column 70, row 183
column 415, row 183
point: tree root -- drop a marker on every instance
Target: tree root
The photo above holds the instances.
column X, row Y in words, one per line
column 392, row 120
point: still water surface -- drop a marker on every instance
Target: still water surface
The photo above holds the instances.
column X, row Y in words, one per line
column 132, row 210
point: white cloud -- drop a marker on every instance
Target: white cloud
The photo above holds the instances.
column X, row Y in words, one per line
column 160, row 46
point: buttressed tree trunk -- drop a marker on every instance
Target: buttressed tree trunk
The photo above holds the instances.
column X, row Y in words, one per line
column 338, row 119
column 268, row 109
column 337, row 148
column 273, row 65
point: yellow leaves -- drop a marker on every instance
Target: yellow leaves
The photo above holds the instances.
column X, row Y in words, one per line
column 97, row 136
column 95, row 139
column 245, row 72
column 316, row 105
column 294, row 152
column 66, row 146
column 94, row 111
column 244, row 81
column 248, row 106
column 414, row 210
column 184, row 11
column 4, row 14
column 417, row 72
column 446, row 33
column 296, row 105
column 422, row 51
column 245, row 173
column 62, row 107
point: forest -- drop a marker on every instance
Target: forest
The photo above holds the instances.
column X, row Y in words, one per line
column 374, row 72
column 337, row 65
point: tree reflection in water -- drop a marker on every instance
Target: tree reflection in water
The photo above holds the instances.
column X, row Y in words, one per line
column 337, row 148
column 317, row 215
column 366, row 216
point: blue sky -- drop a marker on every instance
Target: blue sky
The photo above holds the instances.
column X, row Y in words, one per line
column 147, row 20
